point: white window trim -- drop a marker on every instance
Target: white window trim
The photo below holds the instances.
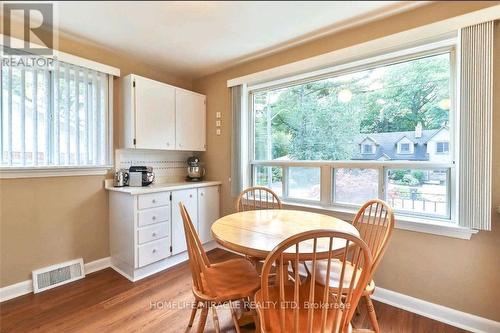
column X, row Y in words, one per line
column 403, row 222
column 410, row 151
column 427, row 224
column 54, row 171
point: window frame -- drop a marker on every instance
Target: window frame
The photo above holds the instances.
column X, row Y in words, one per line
column 444, row 152
column 327, row 182
column 364, row 145
column 35, row 171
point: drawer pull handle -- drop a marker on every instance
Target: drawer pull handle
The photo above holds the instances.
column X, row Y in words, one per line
column 154, row 234
column 153, row 201
column 154, row 217
column 154, row 250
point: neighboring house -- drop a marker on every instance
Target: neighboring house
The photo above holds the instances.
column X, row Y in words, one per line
column 418, row 145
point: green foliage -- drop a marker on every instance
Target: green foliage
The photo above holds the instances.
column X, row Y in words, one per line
column 398, row 174
column 419, row 175
column 309, row 122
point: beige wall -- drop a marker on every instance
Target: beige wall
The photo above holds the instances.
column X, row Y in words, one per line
column 44, row 221
column 456, row 273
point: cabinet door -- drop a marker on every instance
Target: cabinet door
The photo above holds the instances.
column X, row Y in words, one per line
column 190, row 113
column 208, row 211
column 154, row 114
column 190, row 200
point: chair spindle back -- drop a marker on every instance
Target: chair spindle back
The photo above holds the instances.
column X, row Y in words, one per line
column 375, row 223
column 257, row 198
column 315, row 307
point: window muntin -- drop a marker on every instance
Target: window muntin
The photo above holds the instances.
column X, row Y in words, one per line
column 54, row 117
column 326, row 146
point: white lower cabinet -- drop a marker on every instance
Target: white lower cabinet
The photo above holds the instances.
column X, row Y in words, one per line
column 146, row 230
column 208, row 211
column 189, row 198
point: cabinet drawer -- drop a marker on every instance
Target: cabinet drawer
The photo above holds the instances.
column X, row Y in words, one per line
column 153, row 200
column 153, row 232
column 153, row 215
column 154, row 251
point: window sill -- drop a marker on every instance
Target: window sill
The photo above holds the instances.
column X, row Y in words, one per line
column 54, row 171
column 404, row 222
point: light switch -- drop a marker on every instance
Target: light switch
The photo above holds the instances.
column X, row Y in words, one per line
column 217, row 115
column 217, row 123
column 217, row 131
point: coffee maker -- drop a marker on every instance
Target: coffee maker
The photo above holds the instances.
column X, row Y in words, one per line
column 195, row 171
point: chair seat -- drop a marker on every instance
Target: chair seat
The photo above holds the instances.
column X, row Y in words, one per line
column 335, row 271
column 273, row 309
column 230, row 280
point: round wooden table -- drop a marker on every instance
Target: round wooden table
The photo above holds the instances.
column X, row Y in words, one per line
column 256, row 233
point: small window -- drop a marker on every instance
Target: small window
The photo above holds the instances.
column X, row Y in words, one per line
column 271, row 177
column 367, row 148
column 404, row 148
column 442, row 147
column 355, row 186
column 419, row 191
column 304, row 183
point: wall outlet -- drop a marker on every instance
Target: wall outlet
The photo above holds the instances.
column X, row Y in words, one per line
column 217, row 115
column 217, row 131
column 217, row 123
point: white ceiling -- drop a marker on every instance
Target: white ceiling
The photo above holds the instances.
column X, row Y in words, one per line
column 193, row 39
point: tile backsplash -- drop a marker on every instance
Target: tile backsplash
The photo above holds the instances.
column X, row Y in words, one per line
column 168, row 166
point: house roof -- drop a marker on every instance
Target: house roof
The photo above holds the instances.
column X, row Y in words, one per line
column 387, row 145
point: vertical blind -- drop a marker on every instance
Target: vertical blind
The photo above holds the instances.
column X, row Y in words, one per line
column 54, row 116
column 476, row 112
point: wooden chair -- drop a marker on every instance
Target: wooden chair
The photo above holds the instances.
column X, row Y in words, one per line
column 375, row 223
column 293, row 305
column 256, row 198
column 216, row 284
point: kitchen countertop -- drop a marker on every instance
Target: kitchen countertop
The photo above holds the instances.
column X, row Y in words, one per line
column 157, row 187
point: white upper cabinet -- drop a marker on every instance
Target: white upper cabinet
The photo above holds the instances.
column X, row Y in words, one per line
column 155, row 114
column 190, row 120
column 159, row 116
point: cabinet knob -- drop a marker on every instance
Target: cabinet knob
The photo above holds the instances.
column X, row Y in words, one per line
column 154, row 250
column 154, row 234
column 190, row 195
column 153, row 201
column 168, row 144
column 201, row 193
column 153, row 217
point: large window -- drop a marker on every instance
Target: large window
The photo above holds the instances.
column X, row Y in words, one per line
column 54, row 116
column 382, row 131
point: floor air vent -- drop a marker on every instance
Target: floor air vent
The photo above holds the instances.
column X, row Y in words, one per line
column 56, row 275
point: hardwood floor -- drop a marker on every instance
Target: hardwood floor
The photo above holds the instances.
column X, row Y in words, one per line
column 107, row 302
